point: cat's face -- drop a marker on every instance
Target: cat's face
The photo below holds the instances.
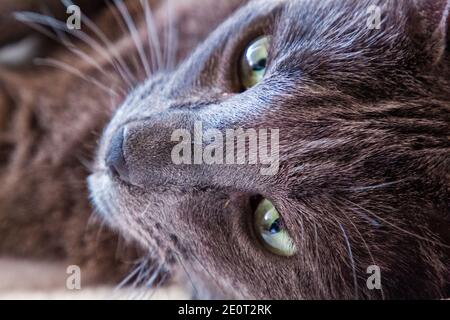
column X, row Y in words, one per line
column 362, row 175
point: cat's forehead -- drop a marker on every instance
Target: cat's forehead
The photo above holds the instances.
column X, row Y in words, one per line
column 297, row 24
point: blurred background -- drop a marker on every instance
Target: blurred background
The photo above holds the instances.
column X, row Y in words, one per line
column 46, row 221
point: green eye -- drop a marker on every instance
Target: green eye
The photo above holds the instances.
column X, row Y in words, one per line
column 254, row 61
column 269, row 228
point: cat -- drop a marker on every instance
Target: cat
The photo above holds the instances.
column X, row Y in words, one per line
column 363, row 113
column 52, row 114
column 363, row 116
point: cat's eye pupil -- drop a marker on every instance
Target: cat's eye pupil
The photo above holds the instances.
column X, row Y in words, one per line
column 254, row 62
column 270, row 229
column 275, row 227
column 261, row 65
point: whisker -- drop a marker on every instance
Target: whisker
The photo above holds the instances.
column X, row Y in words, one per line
column 40, row 29
column 171, row 44
column 187, row 274
column 72, row 48
column 138, row 289
column 119, row 246
column 46, row 12
column 86, row 163
column 130, row 276
column 50, row 62
column 365, row 245
column 93, row 220
column 153, row 277
column 153, row 40
column 352, row 260
column 195, row 257
column 157, row 286
column 125, row 32
column 204, row 268
column 99, row 232
column 145, row 271
column 374, row 187
column 117, row 17
column 208, row 272
column 112, row 101
column 147, row 285
column 438, row 243
column 127, row 76
column 60, row 37
column 134, row 34
column 31, row 17
column 191, row 253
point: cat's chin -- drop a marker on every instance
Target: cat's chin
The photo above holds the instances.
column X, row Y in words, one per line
column 108, row 196
column 100, row 186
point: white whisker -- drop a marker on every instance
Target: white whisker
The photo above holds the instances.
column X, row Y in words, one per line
column 60, row 37
column 365, row 245
column 149, row 283
column 398, row 227
column 352, row 260
column 171, row 44
column 122, row 66
column 130, row 276
column 160, row 282
column 374, row 187
column 31, row 17
column 134, row 34
column 187, row 274
column 125, row 33
column 153, row 40
column 50, row 62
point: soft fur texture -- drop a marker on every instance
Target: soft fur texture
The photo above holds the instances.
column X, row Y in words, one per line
column 364, row 125
column 364, row 180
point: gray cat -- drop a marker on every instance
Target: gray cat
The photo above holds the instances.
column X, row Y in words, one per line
column 362, row 189
column 334, row 184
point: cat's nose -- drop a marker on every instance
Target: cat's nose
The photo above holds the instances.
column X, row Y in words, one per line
column 115, row 159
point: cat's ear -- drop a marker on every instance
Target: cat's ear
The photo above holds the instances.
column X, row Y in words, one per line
column 430, row 27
